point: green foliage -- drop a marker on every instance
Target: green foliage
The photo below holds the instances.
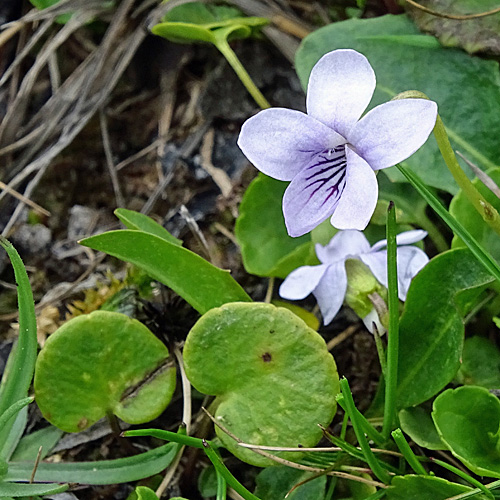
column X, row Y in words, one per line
column 201, row 284
column 15, row 490
column 417, row 423
column 431, row 328
column 468, row 421
column 29, row 445
column 18, row 373
column 399, row 53
column 266, row 248
column 428, row 487
column 473, row 35
column 274, row 379
column 197, row 22
column 461, row 208
column 121, row 470
column 273, row 483
column 99, row 364
column 480, row 363
column 144, row 493
column 141, row 222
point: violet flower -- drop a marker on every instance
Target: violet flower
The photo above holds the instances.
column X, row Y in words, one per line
column 328, row 281
column 330, row 155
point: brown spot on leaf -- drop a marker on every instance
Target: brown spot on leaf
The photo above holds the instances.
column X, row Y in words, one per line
column 266, row 357
column 82, row 423
column 271, row 331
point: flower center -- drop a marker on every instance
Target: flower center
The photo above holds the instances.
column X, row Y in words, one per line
column 327, row 173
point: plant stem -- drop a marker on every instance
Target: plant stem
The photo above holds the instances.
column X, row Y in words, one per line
column 484, row 208
column 370, row 458
column 405, row 449
column 391, row 380
column 235, row 63
column 434, row 234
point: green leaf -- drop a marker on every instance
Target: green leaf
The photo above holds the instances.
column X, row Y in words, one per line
column 121, row 470
column 410, row 206
column 197, row 22
column 18, row 374
column 480, row 363
column 417, row 423
column 431, row 328
column 25, row 490
column 201, row 284
column 273, row 483
column 13, row 410
column 468, row 420
column 274, row 379
column 144, row 493
column 141, row 222
column 464, row 212
column 102, row 363
column 472, row 35
column 470, row 125
column 266, row 248
column 425, row 487
column 28, row 447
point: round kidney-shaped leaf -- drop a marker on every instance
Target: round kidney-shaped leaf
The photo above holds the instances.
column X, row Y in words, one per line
column 467, row 420
column 102, row 363
column 273, row 376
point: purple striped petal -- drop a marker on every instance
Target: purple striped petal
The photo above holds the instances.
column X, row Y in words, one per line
column 340, row 88
column 359, row 198
column 314, row 192
column 393, row 131
column 281, row 142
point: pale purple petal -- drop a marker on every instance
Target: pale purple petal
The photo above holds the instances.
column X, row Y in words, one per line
column 410, row 261
column 393, row 131
column 314, row 192
column 343, row 245
column 372, row 317
column 359, row 198
column 377, row 263
column 406, row 238
column 281, row 142
column 301, row 282
column 330, row 291
column 340, row 88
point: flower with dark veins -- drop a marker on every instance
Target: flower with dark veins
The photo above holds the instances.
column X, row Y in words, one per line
column 330, row 155
column 328, row 281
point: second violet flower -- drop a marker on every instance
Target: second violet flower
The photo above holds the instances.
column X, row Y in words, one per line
column 330, row 155
column 328, row 281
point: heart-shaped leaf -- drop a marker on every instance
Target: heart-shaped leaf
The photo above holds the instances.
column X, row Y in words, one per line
column 468, row 421
column 266, row 248
column 102, row 363
column 419, row 62
column 273, row 376
column 425, row 487
column 431, row 328
column 480, row 363
column 417, row 423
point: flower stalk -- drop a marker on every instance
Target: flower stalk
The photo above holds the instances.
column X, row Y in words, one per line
column 223, row 46
column 482, row 206
column 393, row 330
